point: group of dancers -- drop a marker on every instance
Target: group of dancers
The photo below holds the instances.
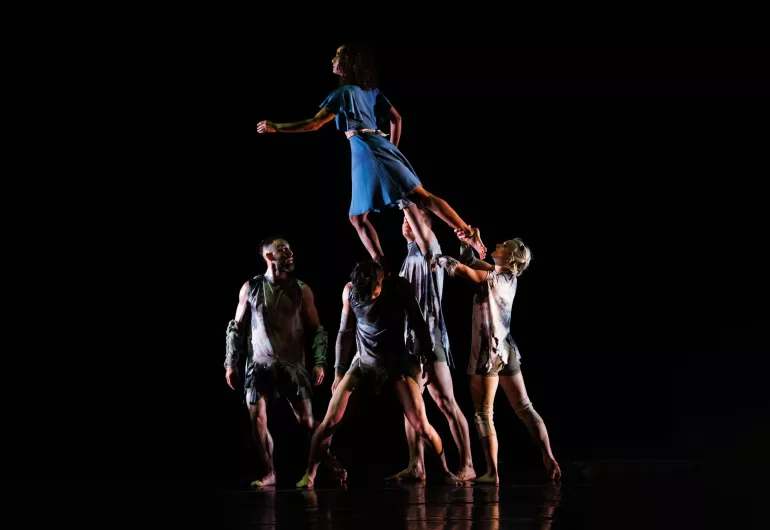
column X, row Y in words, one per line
column 396, row 321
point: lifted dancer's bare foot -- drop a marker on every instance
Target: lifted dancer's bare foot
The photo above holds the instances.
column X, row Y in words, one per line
column 475, row 242
column 473, row 239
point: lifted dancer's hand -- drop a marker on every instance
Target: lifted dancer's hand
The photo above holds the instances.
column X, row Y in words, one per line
column 266, row 126
column 318, row 375
column 337, row 381
column 231, row 375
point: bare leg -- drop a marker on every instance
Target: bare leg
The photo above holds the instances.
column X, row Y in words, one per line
column 514, row 389
column 423, row 198
column 414, row 408
column 483, row 391
column 321, row 440
column 303, row 411
column 442, row 392
column 367, row 234
column 258, row 414
column 415, row 471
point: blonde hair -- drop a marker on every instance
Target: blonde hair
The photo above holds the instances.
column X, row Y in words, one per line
column 520, row 256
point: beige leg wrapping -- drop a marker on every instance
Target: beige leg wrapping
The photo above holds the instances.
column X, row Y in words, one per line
column 484, row 424
column 526, row 413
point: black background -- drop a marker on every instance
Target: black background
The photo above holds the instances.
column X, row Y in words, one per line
column 634, row 175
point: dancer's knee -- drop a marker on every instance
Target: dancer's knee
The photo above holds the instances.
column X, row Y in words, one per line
column 421, row 428
column 357, row 221
column 446, row 405
column 260, row 421
column 485, row 425
column 526, row 413
column 307, row 421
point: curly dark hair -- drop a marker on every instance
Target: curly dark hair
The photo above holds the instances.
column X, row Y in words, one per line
column 267, row 242
column 357, row 66
column 364, row 279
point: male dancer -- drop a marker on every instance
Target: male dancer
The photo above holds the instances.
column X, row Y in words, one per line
column 281, row 311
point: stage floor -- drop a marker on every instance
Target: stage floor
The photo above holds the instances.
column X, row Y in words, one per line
column 617, row 495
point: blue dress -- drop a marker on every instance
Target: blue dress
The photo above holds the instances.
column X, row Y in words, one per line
column 381, row 175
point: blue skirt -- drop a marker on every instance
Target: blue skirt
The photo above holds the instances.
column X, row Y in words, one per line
column 381, row 175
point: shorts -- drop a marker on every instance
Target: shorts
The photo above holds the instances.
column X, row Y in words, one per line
column 375, row 378
column 274, row 381
column 438, row 349
column 498, row 367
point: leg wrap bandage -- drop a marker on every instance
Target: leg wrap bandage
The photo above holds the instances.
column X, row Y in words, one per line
column 484, row 424
column 527, row 413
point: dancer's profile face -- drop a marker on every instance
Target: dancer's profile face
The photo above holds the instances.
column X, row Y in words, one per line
column 336, row 61
column 503, row 252
column 283, row 255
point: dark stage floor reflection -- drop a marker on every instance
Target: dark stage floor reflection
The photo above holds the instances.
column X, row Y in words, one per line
column 595, row 499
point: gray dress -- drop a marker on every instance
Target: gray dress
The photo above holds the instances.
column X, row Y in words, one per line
column 491, row 343
column 427, row 287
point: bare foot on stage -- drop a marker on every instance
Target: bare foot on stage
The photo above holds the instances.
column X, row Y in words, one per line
column 466, row 473
column 334, row 469
column 452, row 480
column 410, row 474
column 305, row 483
column 552, row 468
column 489, row 478
column 269, row 480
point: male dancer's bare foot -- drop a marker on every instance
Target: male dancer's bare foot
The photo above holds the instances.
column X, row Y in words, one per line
column 489, row 478
column 410, row 474
column 466, row 473
column 268, row 480
column 452, row 480
column 305, row 483
column 552, row 468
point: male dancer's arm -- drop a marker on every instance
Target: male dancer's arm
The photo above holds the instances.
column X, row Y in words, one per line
column 236, row 335
column 320, row 337
column 345, row 337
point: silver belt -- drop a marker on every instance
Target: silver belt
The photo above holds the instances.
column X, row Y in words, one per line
column 372, row 131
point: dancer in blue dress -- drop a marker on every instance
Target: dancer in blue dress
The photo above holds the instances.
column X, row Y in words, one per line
column 381, row 174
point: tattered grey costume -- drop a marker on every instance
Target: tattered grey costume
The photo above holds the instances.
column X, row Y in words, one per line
column 277, row 337
column 379, row 337
column 427, row 287
column 491, row 342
